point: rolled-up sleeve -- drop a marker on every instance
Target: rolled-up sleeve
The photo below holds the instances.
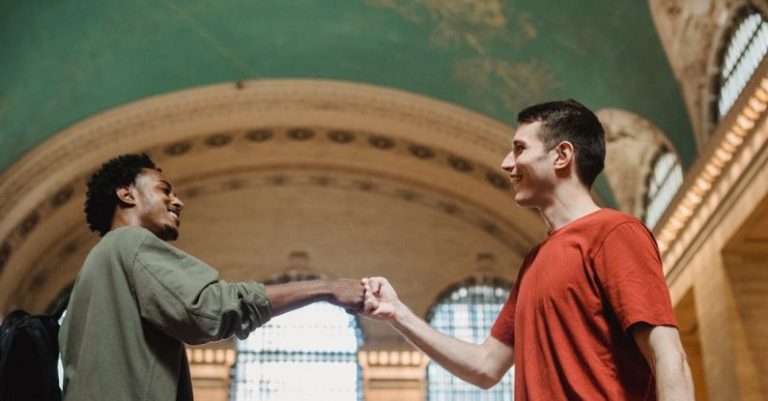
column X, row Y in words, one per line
column 184, row 297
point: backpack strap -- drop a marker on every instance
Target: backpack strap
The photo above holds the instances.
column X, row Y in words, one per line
column 61, row 306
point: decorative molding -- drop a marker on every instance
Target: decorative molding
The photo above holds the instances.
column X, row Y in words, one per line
column 735, row 147
column 190, row 147
column 498, row 226
column 136, row 124
column 691, row 32
column 369, row 358
column 268, row 133
column 331, row 115
column 213, row 118
column 632, row 143
column 218, row 356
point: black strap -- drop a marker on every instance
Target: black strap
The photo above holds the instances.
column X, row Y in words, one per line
column 61, row 306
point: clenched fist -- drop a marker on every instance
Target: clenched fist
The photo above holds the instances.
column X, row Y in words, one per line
column 381, row 301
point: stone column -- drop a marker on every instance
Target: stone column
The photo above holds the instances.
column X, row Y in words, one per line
column 209, row 367
column 393, row 375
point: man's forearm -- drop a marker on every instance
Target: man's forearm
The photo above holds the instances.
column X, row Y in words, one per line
column 664, row 352
column 673, row 378
column 470, row 362
column 290, row 296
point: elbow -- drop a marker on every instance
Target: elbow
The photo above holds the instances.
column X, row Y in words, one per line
column 486, row 384
column 487, row 380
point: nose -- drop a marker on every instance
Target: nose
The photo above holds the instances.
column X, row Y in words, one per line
column 509, row 163
column 177, row 202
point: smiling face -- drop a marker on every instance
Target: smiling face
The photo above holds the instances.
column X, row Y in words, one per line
column 531, row 167
column 157, row 207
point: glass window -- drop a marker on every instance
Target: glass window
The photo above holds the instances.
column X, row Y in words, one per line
column 665, row 179
column 746, row 48
column 467, row 313
column 306, row 354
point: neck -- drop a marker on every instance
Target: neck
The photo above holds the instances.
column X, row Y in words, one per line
column 571, row 201
column 123, row 219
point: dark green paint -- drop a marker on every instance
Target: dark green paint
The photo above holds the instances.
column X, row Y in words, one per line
column 65, row 60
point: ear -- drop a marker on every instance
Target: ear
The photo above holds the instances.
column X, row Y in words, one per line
column 126, row 195
column 564, row 155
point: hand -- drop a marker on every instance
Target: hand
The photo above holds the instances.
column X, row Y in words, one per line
column 347, row 293
column 380, row 298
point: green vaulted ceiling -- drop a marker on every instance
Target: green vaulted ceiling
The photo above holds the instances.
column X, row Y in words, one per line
column 63, row 61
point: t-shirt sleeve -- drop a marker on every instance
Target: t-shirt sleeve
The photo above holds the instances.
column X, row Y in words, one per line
column 503, row 328
column 184, row 297
column 628, row 266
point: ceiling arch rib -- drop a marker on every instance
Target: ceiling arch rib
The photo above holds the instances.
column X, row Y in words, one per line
column 328, row 144
column 632, row 144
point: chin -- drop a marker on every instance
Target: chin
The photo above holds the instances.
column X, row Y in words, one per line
column 525, row 202
column 169, row 233
column 521, row 200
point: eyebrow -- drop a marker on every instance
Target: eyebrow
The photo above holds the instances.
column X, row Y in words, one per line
column 167, row 183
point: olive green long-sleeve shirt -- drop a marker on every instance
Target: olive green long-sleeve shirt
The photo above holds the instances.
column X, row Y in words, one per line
column 135, row 303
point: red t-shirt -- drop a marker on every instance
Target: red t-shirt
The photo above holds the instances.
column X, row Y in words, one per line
column 568, row 315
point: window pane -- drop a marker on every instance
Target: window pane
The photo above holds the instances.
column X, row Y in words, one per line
column 665, row 179
column 746, row 48
column 468, row 314
column 306, row 354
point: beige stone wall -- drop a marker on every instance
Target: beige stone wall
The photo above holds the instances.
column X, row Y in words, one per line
column 209, row 367
column 632, row 144
column 693, row 35
column 690, row 32
column 718, row 264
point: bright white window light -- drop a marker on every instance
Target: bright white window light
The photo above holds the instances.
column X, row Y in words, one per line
column 61, row 363
column 467, row 314
column 664, row 182
column 306, row 354
column 746, row 48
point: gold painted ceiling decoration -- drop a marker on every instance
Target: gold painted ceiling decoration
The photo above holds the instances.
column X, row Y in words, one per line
column 479, row 25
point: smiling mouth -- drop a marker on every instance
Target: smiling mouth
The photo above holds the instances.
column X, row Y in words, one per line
column 175, row 213
column 515, row 179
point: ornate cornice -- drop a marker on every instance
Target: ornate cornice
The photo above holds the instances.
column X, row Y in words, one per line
column 734, row 149
column 353, row 122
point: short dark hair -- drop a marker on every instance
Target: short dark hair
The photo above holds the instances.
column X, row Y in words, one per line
column 569, row 120
column 101, row 199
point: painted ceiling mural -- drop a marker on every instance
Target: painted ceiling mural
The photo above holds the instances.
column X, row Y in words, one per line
column 65, row 61
column 493, row 80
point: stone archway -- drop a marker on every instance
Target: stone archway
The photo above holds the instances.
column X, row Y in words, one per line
column 632, row 143
column 368, row 180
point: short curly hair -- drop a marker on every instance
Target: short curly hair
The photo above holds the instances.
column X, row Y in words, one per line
column 101, row 198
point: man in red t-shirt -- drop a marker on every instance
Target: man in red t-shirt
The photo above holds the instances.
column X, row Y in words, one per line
column 590, row 317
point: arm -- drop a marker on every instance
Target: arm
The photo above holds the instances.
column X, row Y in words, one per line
column 184, row 297
column 662, row 349
column 346, row 293
column 482, row 365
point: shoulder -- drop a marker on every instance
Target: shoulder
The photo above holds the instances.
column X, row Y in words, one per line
column 126, row 240
column 118, row 247
column 611, row 222
column 527, row 261
column 612, row 218
column 618, row 226
column 127, row 235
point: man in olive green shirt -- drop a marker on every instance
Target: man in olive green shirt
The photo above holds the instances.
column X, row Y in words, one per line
column 138, row 299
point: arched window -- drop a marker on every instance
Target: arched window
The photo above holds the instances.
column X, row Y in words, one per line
column 467, row 312
column 665, row 179
column 306, row 354
column 744, row 51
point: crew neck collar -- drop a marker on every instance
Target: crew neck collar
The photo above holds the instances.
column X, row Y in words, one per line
column 571, row 223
